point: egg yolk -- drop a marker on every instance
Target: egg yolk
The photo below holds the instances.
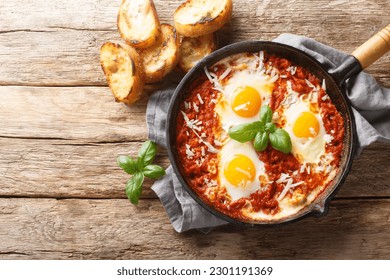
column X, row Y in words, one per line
column 247, row 102
column 240, row 170
column 306, row 125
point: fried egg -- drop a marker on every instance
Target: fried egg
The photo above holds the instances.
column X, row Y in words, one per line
column 243, row 95
column 306, row 129
column 240, row 170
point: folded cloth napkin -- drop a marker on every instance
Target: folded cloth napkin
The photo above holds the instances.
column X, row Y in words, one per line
column 371, row 108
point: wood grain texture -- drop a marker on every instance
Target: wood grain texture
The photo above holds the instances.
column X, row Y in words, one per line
column 57, row 168
column 113, row 229
column 85, row 114
column 59, row 45
column 61, row 192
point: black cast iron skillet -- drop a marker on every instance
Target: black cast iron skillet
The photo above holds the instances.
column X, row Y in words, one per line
column 361, row 58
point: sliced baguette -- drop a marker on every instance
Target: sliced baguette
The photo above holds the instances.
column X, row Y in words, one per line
column 138, row 23
column 123, row 70
column 162, row 57
column 200, row 17
column 193, row 49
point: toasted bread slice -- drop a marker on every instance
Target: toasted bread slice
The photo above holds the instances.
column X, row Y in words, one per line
column 195, row 18
column 123, row 70
column 138, row 23
column 193, row 49
column 162, row 57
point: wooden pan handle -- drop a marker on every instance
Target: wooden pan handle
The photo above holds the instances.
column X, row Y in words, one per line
column 374, row 48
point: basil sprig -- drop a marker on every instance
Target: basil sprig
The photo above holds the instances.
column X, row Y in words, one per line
column 262, row 132
column 140, row 168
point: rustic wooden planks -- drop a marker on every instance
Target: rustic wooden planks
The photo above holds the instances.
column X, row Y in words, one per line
column 113, row 229
column 83, row 114
column 61, row 193
column 59, row 168
column 58, row 44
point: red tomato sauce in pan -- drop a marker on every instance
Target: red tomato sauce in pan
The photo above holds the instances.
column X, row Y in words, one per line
column 200, row 165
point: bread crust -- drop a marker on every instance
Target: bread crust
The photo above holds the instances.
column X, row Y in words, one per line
column 210, row 17
column 161, row 58
column 122, row 67
column 193, row 49
column 139, row 29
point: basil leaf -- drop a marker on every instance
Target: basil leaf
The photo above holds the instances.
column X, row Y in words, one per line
column 134, row 187
column 266, row 114
column 153, row 171
column 261, row 141
column 147, row 153
column 270, row 127
column 245, row 132
column 281, row 140
column 128, row 164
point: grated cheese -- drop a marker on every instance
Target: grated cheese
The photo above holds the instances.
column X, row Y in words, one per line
column 309, row 83
column 190, row 152
column 196, row 108
column 211, row 149
column 217, row 143
column 283, row 178
column 289, row 185
column 328, row 138
column 243, row 172
column 292, row 69
column 225, row 73
column 324, row 85
column 200, row 98
column 241, row 107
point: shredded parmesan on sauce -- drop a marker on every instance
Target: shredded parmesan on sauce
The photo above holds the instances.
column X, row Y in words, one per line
column 292, row 70
column 328, row 138
column 194, row 125
column 225, row 73
column 309, row 83
column 324, row 85
column 200, row 98
column 289, row 185
column 196, row 108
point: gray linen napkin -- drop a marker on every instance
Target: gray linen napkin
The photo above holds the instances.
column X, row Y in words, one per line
column 371, row 108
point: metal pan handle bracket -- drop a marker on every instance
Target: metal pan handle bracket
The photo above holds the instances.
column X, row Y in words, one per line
column 373, row 48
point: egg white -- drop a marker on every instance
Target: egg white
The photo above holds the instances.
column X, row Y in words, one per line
column 306, row 150
column 240, row 79
column 227, row 153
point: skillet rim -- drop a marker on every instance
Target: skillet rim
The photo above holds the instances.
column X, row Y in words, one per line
column 315, row 208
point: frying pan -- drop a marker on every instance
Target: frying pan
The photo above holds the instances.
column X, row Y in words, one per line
column 361, row 58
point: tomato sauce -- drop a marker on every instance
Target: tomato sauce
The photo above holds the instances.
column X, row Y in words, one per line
column 200, row 165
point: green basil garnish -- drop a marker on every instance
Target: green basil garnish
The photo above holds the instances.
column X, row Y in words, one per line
column 134, row 187
column 128, row 164
column 153, row 171
column 245, row 132
column 280, row 140
column 270, row 127
column 140, row 168
column 266, row 114
column 147, row 152
column 261, row 141
column 262, row 131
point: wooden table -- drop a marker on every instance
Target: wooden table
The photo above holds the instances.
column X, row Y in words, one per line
column 61, row 192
